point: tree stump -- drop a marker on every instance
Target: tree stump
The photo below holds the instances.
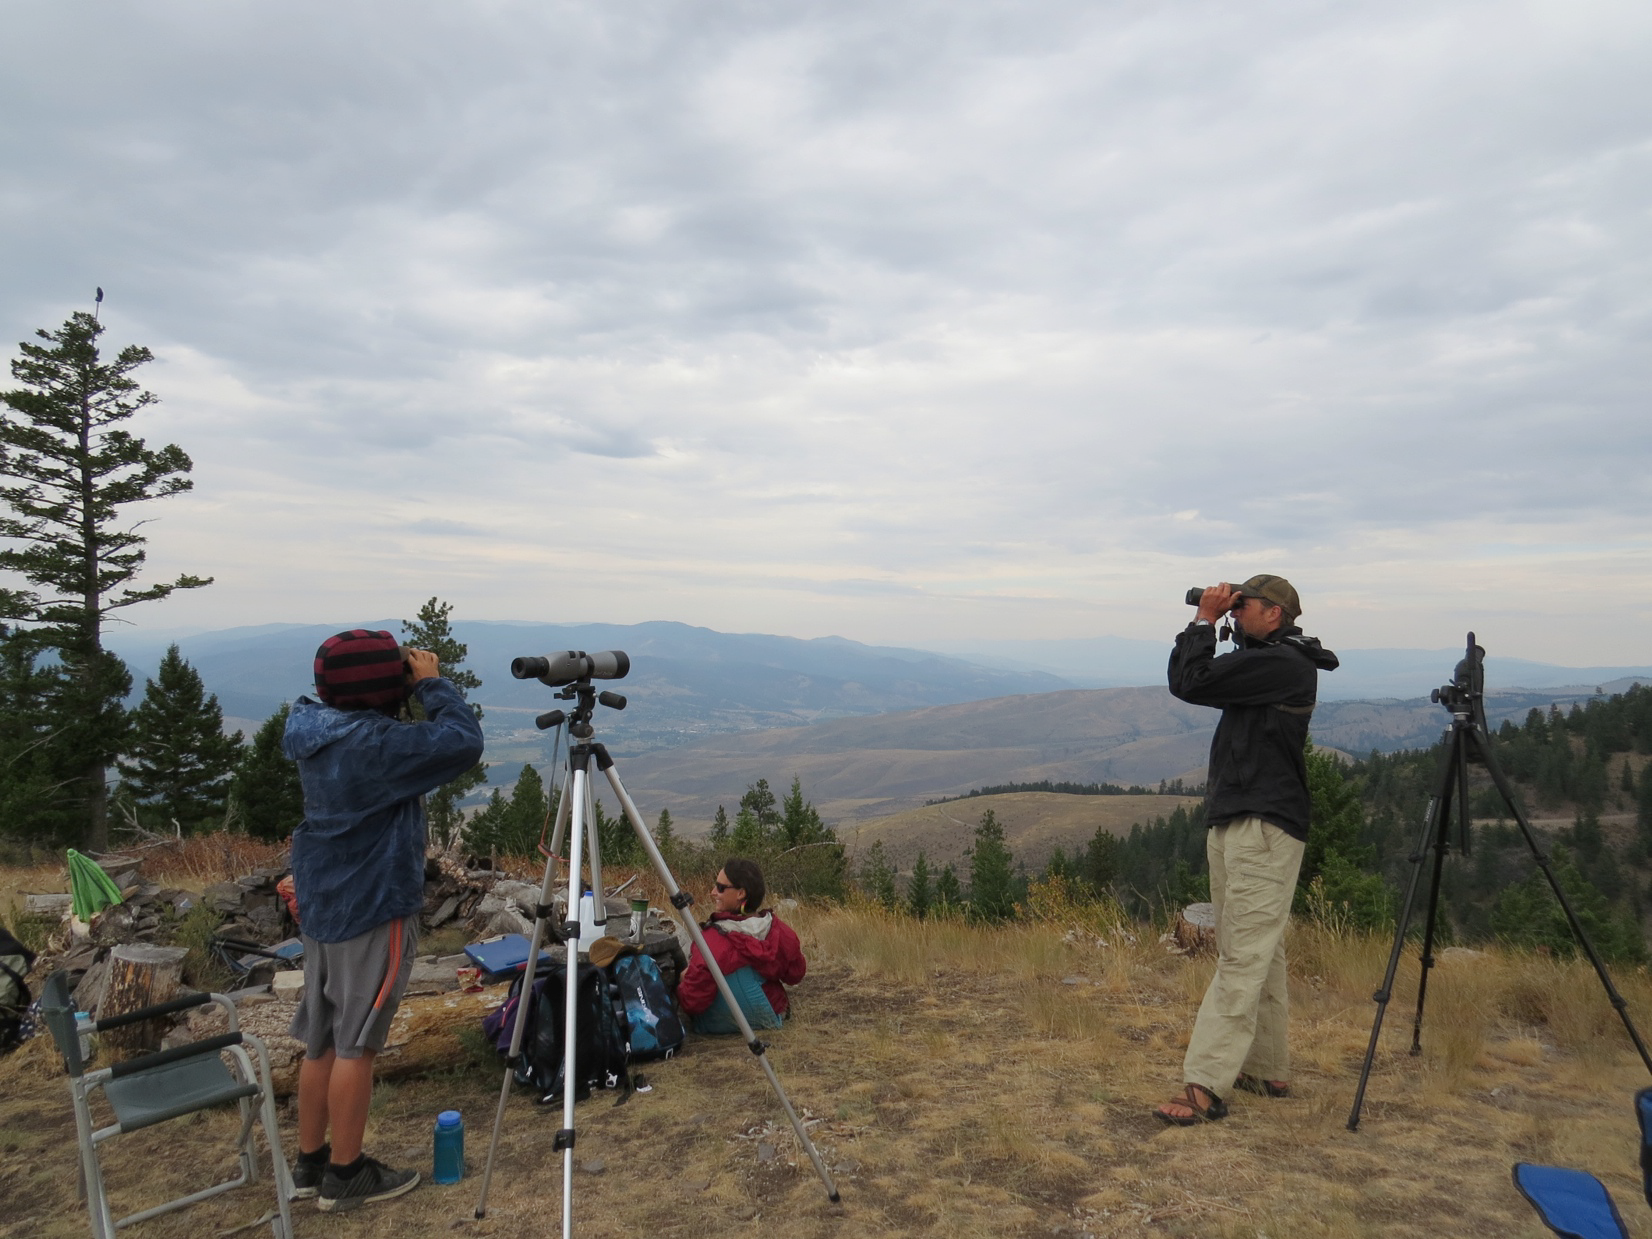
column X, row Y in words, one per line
column 140, row 975
column 1196, row 929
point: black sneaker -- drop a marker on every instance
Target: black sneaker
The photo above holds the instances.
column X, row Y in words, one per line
column 374, row 1181
column 307, row 1176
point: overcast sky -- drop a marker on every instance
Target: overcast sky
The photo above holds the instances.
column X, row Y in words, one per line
column 886, row 319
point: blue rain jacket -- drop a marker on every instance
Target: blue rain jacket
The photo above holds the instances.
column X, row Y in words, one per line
column 358, row 856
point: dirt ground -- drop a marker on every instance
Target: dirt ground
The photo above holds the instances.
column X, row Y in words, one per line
column 978, row 1083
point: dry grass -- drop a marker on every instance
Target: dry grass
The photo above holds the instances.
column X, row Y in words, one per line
column 998, row 1082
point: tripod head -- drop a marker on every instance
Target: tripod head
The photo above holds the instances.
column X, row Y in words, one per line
column 1465, row 696
column 572, row 671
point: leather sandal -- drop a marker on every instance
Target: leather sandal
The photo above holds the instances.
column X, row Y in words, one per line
column 1262, row 1088
column 1188, row 1100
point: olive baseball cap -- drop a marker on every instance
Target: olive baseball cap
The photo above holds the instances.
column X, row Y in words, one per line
column 1274, row 589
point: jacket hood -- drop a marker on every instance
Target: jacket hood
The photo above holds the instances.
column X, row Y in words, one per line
column 313, row 725
column 1292, row 636
column 1317, row 654
column 756, row 926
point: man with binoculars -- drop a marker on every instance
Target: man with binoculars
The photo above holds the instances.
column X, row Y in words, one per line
column 1256, row 811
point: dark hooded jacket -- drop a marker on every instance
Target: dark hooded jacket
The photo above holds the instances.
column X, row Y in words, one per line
column 1266, row 691
column 358, row 856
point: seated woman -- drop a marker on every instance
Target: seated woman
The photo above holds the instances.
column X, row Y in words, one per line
column 758, row 953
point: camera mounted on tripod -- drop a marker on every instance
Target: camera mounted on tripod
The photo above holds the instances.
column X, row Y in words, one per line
column 572, row 671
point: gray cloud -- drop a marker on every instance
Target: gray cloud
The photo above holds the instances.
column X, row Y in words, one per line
column 950, row 314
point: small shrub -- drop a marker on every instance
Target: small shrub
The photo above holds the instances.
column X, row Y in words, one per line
column 202, row 968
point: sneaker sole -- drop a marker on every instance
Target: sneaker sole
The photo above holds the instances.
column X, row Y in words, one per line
column 341, row 1204
column 305, row 1193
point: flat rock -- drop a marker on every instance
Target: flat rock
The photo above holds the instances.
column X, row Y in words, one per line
column 430, row 977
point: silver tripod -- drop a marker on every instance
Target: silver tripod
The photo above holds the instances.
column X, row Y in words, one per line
column 573, row 672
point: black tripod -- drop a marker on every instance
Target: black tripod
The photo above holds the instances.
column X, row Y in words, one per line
column 1466, row 740
column 573, row 672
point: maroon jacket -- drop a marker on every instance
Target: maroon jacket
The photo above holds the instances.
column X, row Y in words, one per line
column 763, row 941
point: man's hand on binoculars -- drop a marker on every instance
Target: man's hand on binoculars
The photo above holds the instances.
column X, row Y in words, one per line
column 1217, row 601
column 423, row 665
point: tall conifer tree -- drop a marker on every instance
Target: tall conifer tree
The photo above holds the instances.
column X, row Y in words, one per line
column 178, row 760
column 268, row 798
column 72, row 471
column 433, row 631
column 991, row 873
column 919, row 895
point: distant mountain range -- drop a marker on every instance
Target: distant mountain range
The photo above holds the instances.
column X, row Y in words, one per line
column 855, row 769
column 871, row 729
column 1117, row 662
column 685, row 681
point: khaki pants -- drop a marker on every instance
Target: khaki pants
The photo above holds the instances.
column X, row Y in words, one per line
column 1242, row 1020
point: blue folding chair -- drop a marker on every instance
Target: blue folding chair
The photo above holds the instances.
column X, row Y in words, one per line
column 1575, row 1204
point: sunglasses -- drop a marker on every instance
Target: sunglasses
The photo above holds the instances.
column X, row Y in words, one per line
column 720, row 887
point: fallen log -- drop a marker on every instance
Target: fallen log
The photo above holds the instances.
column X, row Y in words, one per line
column 427, row 1034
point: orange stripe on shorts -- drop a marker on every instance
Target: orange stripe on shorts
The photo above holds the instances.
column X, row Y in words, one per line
column 395, row 964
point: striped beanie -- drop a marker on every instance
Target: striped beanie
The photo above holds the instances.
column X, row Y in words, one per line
column 360, row 670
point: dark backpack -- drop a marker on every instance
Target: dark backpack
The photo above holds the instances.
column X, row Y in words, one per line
column 601, row 1056
column 15, row 962
column 650, row 1007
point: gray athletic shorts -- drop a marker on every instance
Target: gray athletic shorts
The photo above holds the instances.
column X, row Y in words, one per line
column 352, row 989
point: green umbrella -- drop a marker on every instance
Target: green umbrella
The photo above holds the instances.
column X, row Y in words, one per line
column 90, row 888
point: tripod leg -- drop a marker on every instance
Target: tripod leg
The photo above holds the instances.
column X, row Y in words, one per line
column 681, row 900
column 593, row 851
column 1432, row 820
column 559, row 828
column 579, row 758
column 542, row 913
column 1482, row 742
column 1429, row 922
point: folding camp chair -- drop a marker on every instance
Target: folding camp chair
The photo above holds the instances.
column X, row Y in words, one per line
column 1575, row 1204
column 165, row 1085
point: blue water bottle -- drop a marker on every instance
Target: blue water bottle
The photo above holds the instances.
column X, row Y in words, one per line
column 450, row 1147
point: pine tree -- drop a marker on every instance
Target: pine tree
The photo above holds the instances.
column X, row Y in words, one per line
column 800, row 824
column 664, row 836
column 759, row 801
column 74, row 471
column 34, row 771
column 527, row 813
column 1100, row 863
column 719, row 829
column 991, row 873
column 513, row 826
column 748, row 835
column 949, row 895
column 919, row 895
column 615, row 837
column 265, row 790
column 877, row 877
column 483, row 834
column 432, row 631
column 178, row 760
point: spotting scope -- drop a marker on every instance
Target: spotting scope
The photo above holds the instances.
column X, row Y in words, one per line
column 571, row 666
